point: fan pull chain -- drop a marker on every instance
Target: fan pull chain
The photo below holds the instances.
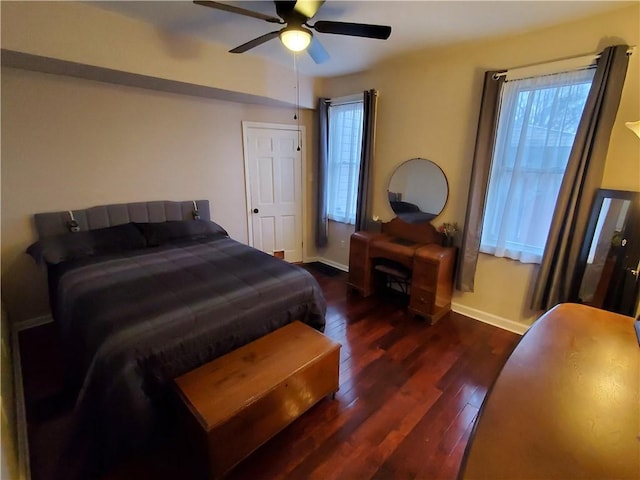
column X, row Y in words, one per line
column 296, row 116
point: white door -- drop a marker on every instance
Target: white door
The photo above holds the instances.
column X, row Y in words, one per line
column 273, row 172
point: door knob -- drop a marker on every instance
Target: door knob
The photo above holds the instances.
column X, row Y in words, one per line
column 255, row 210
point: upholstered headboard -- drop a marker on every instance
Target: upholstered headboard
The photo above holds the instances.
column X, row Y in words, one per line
column 55, row 223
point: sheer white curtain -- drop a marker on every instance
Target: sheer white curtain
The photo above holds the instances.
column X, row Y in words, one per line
column 537, row 124
column 345, row 147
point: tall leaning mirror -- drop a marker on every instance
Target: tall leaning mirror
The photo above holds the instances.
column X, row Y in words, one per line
column 607, row 269
column 418, row 190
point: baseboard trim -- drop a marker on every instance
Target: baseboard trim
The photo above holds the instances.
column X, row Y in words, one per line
column 31, row 323
column 333, row 264
column 490, row 318
column 24, row 467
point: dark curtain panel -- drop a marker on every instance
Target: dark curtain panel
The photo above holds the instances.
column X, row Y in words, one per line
column 485, row 139
column 366, row 159
column 321, row 174
column 581, row 181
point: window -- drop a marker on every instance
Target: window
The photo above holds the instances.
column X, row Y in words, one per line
column 345, row 147
column 537, row 124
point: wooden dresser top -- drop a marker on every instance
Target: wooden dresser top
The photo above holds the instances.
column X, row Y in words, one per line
column 566, row 404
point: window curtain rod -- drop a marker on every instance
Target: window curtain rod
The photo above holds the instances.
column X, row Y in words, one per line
column 356, row 98
column 549, row 68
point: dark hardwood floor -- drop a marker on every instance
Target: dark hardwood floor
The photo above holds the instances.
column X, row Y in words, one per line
column 409, row 395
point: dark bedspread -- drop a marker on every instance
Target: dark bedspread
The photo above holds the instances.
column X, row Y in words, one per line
column 132, row 323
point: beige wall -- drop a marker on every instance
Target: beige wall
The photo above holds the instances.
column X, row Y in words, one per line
column 69, row 143
column 428, row 107
column 86, row 35
column 337, row 250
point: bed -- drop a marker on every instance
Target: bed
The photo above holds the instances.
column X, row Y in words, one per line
column 410, row 212
column 143, row 293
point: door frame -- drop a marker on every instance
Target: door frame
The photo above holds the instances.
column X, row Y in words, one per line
column 247, row 185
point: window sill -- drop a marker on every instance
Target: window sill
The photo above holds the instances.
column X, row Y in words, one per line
column 344, row 223
column 514, row 255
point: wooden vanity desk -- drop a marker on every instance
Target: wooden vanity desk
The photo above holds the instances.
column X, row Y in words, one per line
column 414, row 247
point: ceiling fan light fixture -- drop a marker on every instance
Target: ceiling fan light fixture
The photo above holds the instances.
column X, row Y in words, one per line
column 295, row 39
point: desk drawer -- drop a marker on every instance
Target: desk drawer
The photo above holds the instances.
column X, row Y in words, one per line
column 422, row 301
column 425, row 275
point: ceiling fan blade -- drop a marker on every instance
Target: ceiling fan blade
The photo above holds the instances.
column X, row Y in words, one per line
column 255, row 42
column 381, row 32
column 308, row 8
column 316, row 51
column 238, row 10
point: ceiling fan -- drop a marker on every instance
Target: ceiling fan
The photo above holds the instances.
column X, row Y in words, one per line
column 296, row 34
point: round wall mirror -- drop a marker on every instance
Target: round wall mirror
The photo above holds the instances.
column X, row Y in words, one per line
column 418, row 190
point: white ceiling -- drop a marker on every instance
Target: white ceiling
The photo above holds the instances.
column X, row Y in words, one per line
column 416, row 25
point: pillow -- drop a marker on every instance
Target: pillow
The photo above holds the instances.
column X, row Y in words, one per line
column 160, row 233
column 116, row 239
column 72, row 246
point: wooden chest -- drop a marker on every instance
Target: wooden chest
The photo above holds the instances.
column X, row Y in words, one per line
column 244, row 398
